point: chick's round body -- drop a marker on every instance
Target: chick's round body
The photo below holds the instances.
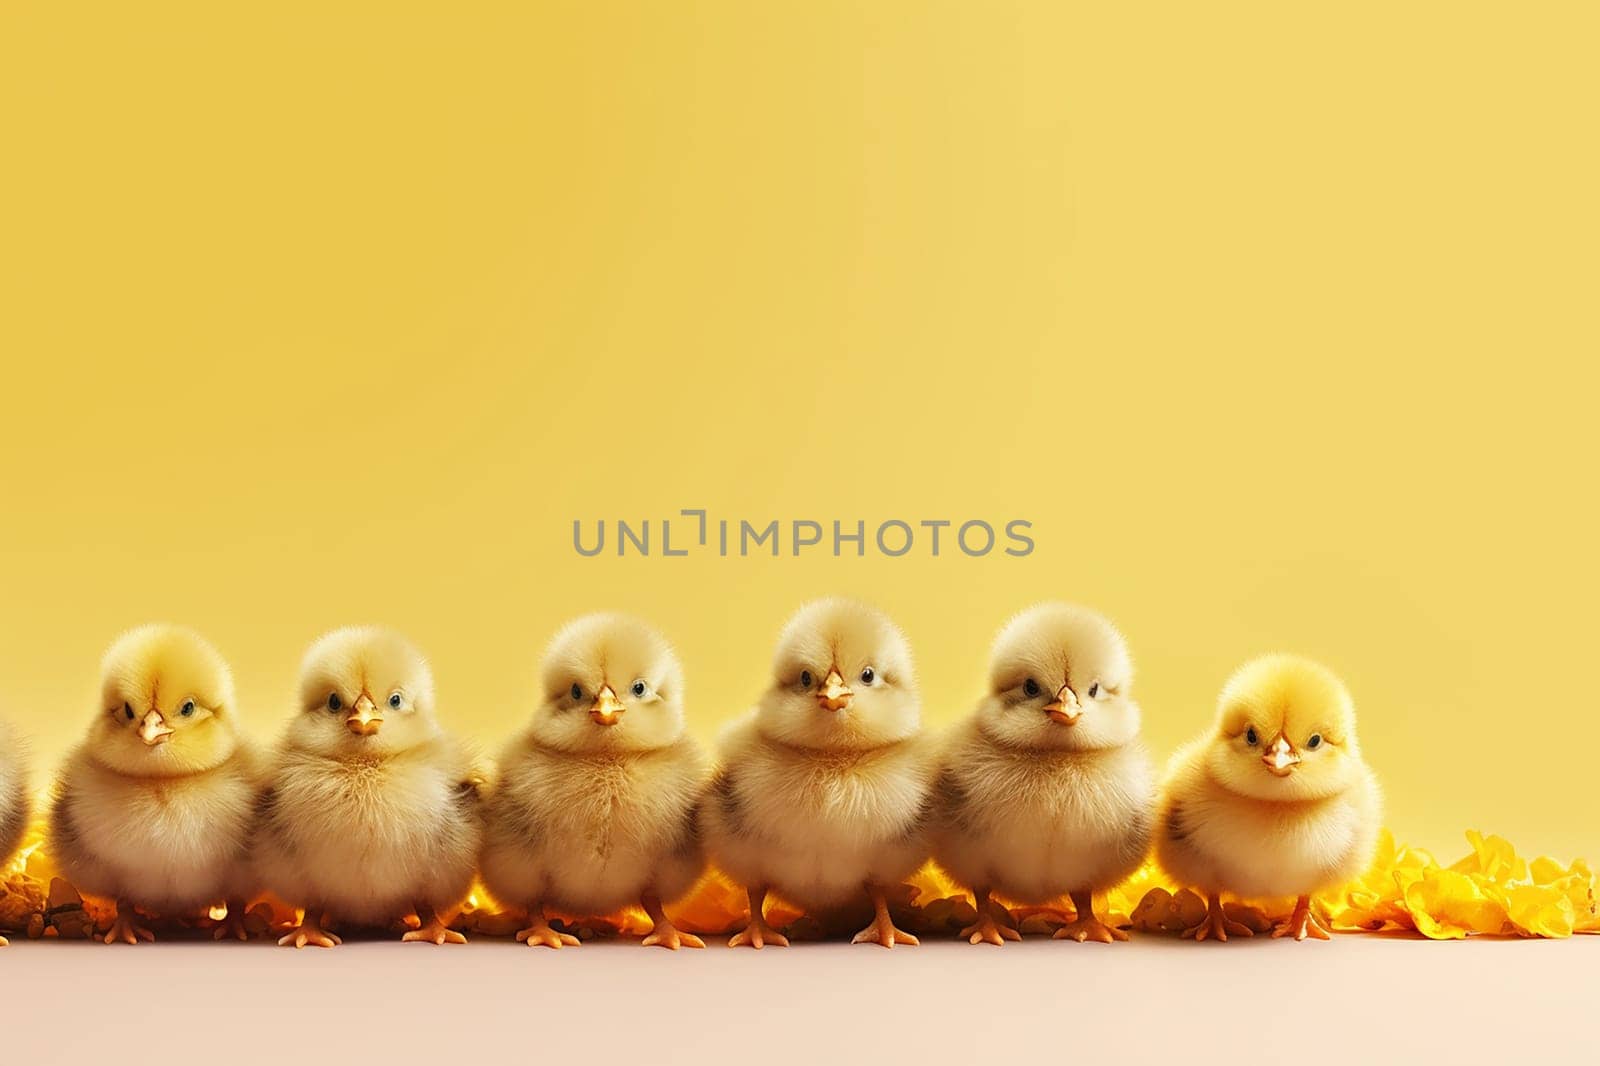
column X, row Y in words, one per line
column 1219, row 841
column 1034, row 825
column 371, row 812
column 1275, row 801
column 14, row 807
column 369, row 839
column 816, row 825
column 154, row 809
column 591, row 834
column 174, row 845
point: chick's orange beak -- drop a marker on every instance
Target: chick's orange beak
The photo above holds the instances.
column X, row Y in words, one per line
column 154, row 729
column 364, row 719
column 834, row 694
column 1281, row 758
column 606, row 709
column 1065, row 708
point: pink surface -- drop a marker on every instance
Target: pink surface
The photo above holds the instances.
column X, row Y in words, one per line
column 1348, row 1001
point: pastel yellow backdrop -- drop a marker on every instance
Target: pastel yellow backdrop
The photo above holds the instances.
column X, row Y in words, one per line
column 1278, row 323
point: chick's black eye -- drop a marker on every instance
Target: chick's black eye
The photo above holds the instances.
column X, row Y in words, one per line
column 187, row 710
column 805, row 679
column 1094, row 690
column 1030, row 688
column 394, row 701
column 127, row 711
column 334, row 702
column 867, row 675
column 1250, row 737
column 577, row 692
column 1315, row 741
column 639, row 688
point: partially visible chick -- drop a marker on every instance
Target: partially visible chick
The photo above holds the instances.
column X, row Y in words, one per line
column 1046, row 789
column 1276, row 801
column 823, row 788
column 13, row 797
column 594, row 805
column 154, row 808
column 371, row 812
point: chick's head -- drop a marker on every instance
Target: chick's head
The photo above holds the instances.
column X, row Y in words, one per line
column 842, row 680
column 166, row 705
column 1286, row 731
column 1060, row 679
column 610, row 683
column 364, row 690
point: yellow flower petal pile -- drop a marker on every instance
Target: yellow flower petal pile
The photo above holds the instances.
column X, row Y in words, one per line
column 1491, row 890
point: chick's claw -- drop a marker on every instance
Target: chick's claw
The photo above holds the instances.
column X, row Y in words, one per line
column 436, row 932
column 883, row 931
column 126, row 929
column 1090, row 928
column 671, row 937
column 1303, row 923
column 758, row 934
column 309, row 932
column 1217, row 924
column 232, row 927
column 539, row 934
column 988, row 931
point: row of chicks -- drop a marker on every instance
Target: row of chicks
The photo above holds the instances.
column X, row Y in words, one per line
column 828, row 793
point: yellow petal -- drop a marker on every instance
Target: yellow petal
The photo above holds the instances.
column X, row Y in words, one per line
column 1540, row 910
column 1447, row 904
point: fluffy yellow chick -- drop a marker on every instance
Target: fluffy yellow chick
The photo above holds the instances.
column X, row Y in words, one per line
column 154, row 808
column 823, row 787
column 13, row 797
column 371, row 811
column 1275, row 801
column 594, row 805
column 1046, row 789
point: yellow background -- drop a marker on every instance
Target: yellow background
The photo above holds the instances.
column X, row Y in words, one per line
column 1278, row 323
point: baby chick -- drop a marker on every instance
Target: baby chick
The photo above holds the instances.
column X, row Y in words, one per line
column 370, row 812
column 1046, row 789
column 1276, row 801
column 823, row 787
column 13, row 797
column 154, row 809
column 594, row 806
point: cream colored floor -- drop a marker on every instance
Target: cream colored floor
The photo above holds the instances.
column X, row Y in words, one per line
column 1356, row 999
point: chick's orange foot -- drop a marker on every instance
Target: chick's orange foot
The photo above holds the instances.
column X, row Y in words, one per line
column 233, row 926
column 758, row 934
column 539, row 934
column 994, row 924
column 669, row 936
column 435, row 932
column 1303, row 923
column 1085, row 926
column 125, row 928
column 882, row 930
column 662, row 932
column 309, row 931
column 431, row 929
column 1216, row 924
column 1090, row 928
column 989, row 930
